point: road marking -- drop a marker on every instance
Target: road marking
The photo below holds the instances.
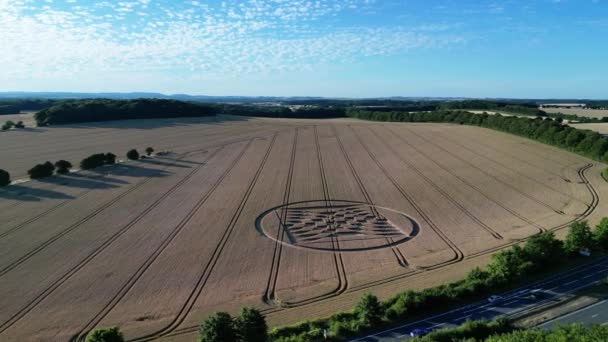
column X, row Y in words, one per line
column 573, row 313
column 461, row 318
column 589, row 276
column 594, row 316
column 571, row 282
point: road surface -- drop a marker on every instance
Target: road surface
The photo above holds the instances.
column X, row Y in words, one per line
column 552, row 289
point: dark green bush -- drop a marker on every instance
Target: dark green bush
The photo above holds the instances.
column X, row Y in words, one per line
column 93, row 161
column 41, row 170
column 219, row 327
column 110, row 158
column 580, row 237
column 5, row 178
column 63, row 166
column 105, row 335
column 133, row 154
column 149, row 150
column 19, row 125
column 251, row 326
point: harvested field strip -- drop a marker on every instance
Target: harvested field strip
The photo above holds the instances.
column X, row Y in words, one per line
column 196, row 291
column 591, row 207
column 480, row 191
column 81, row 335
column 337, row 255
column 505, row 166
column 463, row 192
column 269, row 293
column 538, row 149
column 304, row 273
column 411, row 166
column 5, row 269
column 488, row 174
column 458, row 253
column 339, row 262
column 61, row 280
column 506, row 146
column 397, row 253
column 78, row 195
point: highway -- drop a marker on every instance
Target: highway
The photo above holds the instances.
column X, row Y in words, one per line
column 593, row 314
column 553, row 289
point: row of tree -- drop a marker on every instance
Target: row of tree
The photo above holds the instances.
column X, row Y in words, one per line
column 10, row 124
column 585, row 142
column 507, row 268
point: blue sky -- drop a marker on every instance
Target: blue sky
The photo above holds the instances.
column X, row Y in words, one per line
column 342, row 48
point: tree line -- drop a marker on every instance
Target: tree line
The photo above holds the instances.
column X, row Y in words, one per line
column 588, row 143
column 508, row 268
column 540, row 254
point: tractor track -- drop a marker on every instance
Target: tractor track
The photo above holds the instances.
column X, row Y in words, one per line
column 57, row 283
column 209, row 267
column 76, row 225
column 124, row 289
column 269, row 296
column 396, row 252
column 458, row 254
column 474, row 187
column 537, row 201
column 474, row 218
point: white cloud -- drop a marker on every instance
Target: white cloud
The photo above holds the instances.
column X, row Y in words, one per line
column 233, row 38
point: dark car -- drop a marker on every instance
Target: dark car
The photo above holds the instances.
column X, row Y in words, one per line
column 538, row 294
column 419, row 332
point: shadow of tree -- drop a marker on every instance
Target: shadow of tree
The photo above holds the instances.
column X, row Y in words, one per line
column 28, row 193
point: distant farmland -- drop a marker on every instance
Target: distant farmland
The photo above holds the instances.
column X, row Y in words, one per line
column 590, row 113
column 295, row 217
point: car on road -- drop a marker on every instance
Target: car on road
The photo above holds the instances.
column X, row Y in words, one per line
column 538, row 294
column 494, row 299
column 419, row 332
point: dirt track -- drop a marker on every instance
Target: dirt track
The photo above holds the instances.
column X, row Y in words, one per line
column 296, row 217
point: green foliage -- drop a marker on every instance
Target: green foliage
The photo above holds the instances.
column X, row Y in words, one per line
column 105, row 335
column 63, row 166
column 219, row 327
column 584, row 142
column 569, row 333
column 543, row 249
column 93, row 161
column 600, row 234
column 149, row 150
column 369, row 310
column 251, row 326
column 579, row 237
column 8, row 125
column 109, row 158
column 41, row 170
column 5, row 178
column 19, row 125
column 105, row 109
column 133, row 154
column 473, row 330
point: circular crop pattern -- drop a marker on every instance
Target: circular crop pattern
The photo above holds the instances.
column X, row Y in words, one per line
column 336, row 225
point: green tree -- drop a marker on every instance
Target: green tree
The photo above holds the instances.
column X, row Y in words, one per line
column 5, row 178
column 149, row 150
column 543, row 249
column 509, row 264
column 579, row 237
column 41, row 170
column 19, row 125
column 600, row 234
column 133, row 154
column 369, row 310
column 63, row 166
column 251, row 326
column 219, row 327
column 110, row 158
column 106, row 335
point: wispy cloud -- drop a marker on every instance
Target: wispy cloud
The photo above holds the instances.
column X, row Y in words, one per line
column 45, row 39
